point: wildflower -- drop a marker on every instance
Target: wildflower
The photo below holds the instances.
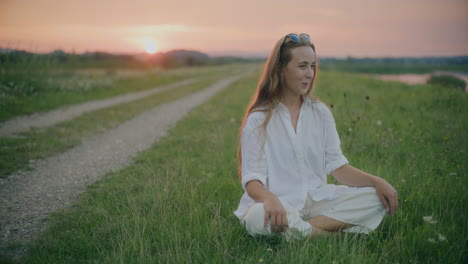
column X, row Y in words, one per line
column 431, row 240
column 429, row 220
column 269, row 249
column 442, row 237
column 260, row 260
column 379, row 123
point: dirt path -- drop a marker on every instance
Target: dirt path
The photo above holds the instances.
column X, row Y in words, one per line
column 421, row 78
column 41, row 120
column 29, row 196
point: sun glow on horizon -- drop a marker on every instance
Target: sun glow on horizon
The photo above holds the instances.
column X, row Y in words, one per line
column 150, row 46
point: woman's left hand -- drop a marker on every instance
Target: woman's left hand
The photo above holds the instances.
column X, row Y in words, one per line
column 387, row 194
column 351, row 176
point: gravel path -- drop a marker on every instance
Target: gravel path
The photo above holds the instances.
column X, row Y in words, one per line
column 28, row 197
column 41, row 120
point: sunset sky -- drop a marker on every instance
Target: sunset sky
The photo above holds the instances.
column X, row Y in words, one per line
column 359, row 28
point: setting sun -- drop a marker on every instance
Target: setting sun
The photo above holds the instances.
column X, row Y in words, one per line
column 150, row 47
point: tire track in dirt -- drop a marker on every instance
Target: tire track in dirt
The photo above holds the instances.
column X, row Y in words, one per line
column 27, row 197
column 41, row 120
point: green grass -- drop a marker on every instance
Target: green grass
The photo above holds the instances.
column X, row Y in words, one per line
column 447, row 81
column 176, row 203
column 18, row 152
column 390, row 67
column 28, row 90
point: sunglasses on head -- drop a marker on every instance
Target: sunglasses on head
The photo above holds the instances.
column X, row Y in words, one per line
column 295, row 38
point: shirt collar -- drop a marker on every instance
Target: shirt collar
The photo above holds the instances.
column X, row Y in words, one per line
column 306, row 101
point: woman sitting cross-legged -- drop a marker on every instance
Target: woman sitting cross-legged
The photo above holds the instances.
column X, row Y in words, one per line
column 288, row 145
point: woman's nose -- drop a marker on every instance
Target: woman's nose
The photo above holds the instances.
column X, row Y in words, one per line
column 310, row 73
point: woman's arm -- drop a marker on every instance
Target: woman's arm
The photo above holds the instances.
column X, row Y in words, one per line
column 352, row 176
column 274, row 210
column 254, row 174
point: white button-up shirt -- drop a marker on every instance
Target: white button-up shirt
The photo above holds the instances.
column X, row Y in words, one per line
column 291, row 164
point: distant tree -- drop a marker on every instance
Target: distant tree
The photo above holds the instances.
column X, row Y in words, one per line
column 59, row 55
column 447, row 81
column 166, row 61
column 190, row 61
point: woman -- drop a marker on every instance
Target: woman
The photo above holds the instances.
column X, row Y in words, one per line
column 288, row 145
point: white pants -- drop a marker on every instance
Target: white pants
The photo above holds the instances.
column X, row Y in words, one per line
column 361, row 208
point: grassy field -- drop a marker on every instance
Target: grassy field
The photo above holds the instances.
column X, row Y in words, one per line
column 393, row 65
column 35, row 88
column 176, row 203
column 18, row 152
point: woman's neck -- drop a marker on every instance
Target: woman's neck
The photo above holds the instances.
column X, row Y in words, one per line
column 291, row 101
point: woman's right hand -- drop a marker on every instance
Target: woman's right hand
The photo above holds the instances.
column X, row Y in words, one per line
column 275, row 213
column 274, row 210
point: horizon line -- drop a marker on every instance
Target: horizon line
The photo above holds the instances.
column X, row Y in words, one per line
column 238, row 54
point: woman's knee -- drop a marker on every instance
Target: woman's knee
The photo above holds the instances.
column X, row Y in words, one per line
column 373, row 198
column 254, row 220
column 374, row 204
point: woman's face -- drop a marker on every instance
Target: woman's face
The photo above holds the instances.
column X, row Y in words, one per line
column 299, row 72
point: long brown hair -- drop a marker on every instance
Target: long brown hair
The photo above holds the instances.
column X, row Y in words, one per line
column 269, row 87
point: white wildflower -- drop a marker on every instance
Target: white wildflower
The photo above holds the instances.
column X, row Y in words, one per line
column 442, row 237
column 431, row 240
column 379, row 123
column 269, row 249
column 429, row 220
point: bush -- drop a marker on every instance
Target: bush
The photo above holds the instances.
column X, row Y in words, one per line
column 447, row 81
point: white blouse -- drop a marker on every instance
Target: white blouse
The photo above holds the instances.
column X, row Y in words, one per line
column 291, row 163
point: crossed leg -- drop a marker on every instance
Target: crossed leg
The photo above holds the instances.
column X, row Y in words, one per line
column 362, row 206
column 321, row 225
column 324, row 225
